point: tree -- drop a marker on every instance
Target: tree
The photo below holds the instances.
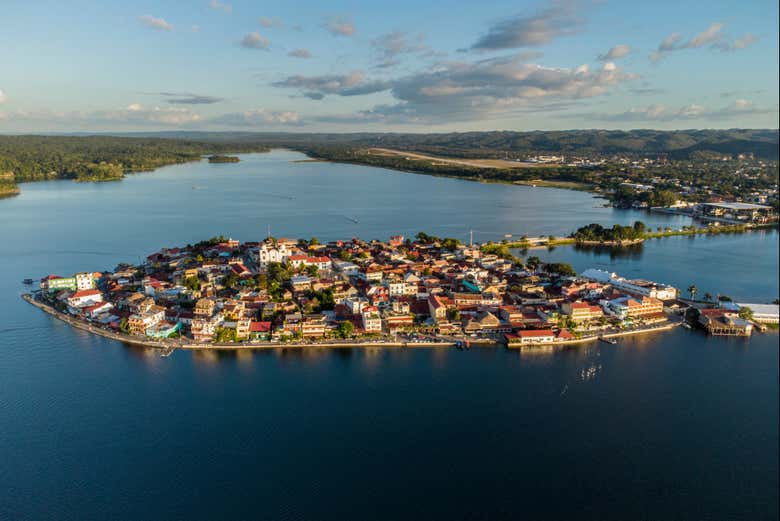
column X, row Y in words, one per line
column 693, row 290
column 708, row 297
column 312, row 271
column 533, row 262
column 192, row 283
column 746, row 313
column 560, row 268
column 124, row 325
column 314, row 241
column 230, row 280
column 345, row 329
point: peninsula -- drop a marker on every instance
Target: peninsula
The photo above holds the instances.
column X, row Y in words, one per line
column 221, row 293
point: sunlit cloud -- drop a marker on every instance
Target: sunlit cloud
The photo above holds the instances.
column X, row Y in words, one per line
column 340, row 26
column 255, row 40
column 155, row 23
column 616, row 52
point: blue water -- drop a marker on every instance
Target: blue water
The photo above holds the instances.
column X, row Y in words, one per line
column 670, row 426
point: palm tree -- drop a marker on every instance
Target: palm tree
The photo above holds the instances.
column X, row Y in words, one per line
column 693, row 290
column 708, row 297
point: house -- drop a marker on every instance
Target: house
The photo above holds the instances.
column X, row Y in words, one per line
column 484, row 321
column 259, row 330
column 723, row 322
column 138, row 323
column 582, row 311
column 243, row 327
column 372, row 322
column 437, row 308
column 86, row 297
column 204, row 308
column 202, row 329
column 300, row 282
column 313, row 326
column 97, row 309
column 399, row 322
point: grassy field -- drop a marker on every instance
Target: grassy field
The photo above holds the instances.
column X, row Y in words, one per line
column 478, row 163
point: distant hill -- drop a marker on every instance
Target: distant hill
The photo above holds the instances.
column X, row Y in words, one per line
column 678, row 144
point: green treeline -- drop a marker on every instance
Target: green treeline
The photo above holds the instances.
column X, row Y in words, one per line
column 617, row 233
column 98, row 158
column 223, row 159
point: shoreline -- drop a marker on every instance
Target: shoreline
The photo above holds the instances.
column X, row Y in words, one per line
column 168, row 346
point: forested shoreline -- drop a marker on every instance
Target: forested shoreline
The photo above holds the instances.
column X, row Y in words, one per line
column 101, row 158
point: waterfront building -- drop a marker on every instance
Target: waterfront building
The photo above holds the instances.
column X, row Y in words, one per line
column 723, row 322
column 629, row 307
column 636, row 287
column 763, row 313
column 85, row 298
column 582, row 311
column 163, row 330
column 372, row 321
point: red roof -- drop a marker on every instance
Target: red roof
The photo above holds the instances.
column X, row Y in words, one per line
column 259, row 327
column 85, row 293
column 535, row 333
column 95, row 307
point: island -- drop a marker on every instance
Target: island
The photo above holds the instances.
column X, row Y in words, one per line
column 223, row 159
column 224, row 294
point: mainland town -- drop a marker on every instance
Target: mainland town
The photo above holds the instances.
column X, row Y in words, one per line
column 224, row 293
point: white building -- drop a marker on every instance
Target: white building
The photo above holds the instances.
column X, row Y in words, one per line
column 636, row 287
column 372, row 322
column 765, row 313
column 85, row 298
column 270, row 252
column 84, row 281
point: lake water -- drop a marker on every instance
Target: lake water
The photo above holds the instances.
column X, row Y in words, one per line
column 670, row 426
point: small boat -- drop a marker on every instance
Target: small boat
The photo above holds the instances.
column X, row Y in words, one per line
column 686, row 325
column 608, row 340
column 28, row 281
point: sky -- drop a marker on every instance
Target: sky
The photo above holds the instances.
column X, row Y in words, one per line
column 401, row 66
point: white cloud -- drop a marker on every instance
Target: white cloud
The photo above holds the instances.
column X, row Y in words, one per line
column 316, row 87
column 340, row 26
column 300, row 53
column 258, row 117
column 463, row 91
column 616, row 52
column 561, row 18
column 155, row 23
column 255, row 40
column 664, row 113
column 219, row 6
column 712, row 37
column 3, row 97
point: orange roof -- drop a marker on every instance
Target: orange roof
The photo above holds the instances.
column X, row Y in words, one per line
column 535, row 333
column 85, row 293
